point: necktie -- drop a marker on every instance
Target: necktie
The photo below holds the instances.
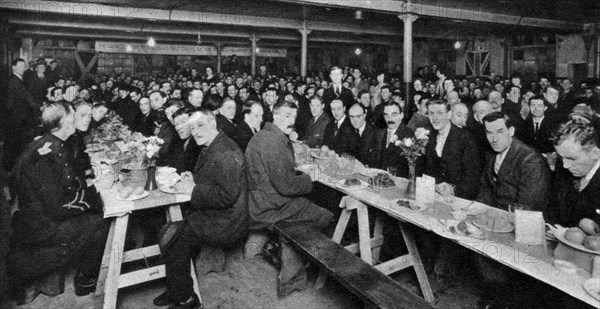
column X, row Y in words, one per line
column 335, row 130
column 337, row 91
column 389, row 138
column 497, row 163
column 537, row 127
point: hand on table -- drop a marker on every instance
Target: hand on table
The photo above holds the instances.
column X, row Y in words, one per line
column 186, row 184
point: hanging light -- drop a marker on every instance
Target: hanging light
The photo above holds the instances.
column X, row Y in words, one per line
column 358, row 14
column 457, row 45
column 128, row 48
column 257, row 50
column 151, row 42
column 358, row 51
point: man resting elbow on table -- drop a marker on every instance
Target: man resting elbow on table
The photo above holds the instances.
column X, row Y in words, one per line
column 218, row 213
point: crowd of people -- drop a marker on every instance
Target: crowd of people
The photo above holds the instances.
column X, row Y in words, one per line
column 498, row 141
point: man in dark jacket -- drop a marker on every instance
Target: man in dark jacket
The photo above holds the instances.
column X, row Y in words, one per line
column 218, row 214
column 339, row 134
column 276, row 189
column 253, row 116
column 515, row 172
column 364, row 130
column 184, row 151
column 451, row 154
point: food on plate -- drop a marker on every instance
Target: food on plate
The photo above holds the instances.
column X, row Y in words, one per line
column 466, row 229
column 352, row 182
column 493, row 221
column 383, row 179
column 138, row 191
column 592, row 242
column 589, row 227
column 125, row 192
column 414, row 205
column 575, row 235
column 324, row 148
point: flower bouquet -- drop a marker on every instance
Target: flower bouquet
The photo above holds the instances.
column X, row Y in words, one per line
column 112, row 128
column 144, row 153
column 412, row 148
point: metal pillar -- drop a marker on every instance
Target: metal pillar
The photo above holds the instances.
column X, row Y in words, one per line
column 219, row 45
column 254, row 40
column 304, row 58
column 408, row 20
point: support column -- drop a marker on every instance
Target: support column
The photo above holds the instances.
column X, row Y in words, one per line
column 254, row 40
column 408, row 20
column 304, row 58
column 219, row 46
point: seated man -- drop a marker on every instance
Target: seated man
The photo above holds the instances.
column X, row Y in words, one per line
column 420, row 118
column 477, row 129
column 451, row 154
column 253, row 117
column 225, row 117
column 183, row 153
column 577, row 142
column 315, row 128
column 276, row 188
column 384, row 151
column 218, row 213
column 59, row 222
column 364, row 129
column 339, row 133
column 515, row 172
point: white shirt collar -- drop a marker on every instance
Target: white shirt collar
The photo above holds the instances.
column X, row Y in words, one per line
column 339, row 122
column 592, row 172
column 362, row 128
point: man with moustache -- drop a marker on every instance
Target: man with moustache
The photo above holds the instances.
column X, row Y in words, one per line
column 276, row 191
column 218, row 213
column 384, row 151
column 339, row 134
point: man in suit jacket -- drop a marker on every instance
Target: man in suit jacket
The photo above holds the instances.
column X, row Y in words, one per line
column 385, row 153
column 365, row 131
column 225, row 117
column 339, row 133
column 20, row 113
column 316, row 125
column 577, row 142
column 184, row 152
column 276, row 190
column 451, row 154
column 337, row 91
column 536, row 130
column 253, row 117
column 219, row 213
column 515, row 172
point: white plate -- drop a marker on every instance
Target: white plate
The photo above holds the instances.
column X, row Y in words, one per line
column 372, row 172
column 170, row 190
column 560, row 235
column 592, row 286
column 165, row 170
column 363, row 185
column 133, row 197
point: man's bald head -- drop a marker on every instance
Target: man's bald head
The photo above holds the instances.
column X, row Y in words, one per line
column 480, row 109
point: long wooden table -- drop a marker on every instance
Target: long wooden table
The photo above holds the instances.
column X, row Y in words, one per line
column 111, row 279
column 535, row 261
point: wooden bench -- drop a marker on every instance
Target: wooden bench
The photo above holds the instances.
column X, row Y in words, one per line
column 363, row 280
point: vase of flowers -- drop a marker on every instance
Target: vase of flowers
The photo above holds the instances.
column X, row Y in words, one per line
column 145, row 153
column 412, row 148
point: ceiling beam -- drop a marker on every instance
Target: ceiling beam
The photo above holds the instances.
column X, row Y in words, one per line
column 437, row 11
column 107, row 11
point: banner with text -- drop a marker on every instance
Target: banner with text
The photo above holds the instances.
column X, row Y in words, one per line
column 172, row 49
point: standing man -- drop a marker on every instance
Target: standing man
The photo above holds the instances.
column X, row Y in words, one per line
column 19, row 111
column 515, row 172
column 339, row 133
column 276, row 190
column 337, row 91
column 218, row 213
column 536, row 130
